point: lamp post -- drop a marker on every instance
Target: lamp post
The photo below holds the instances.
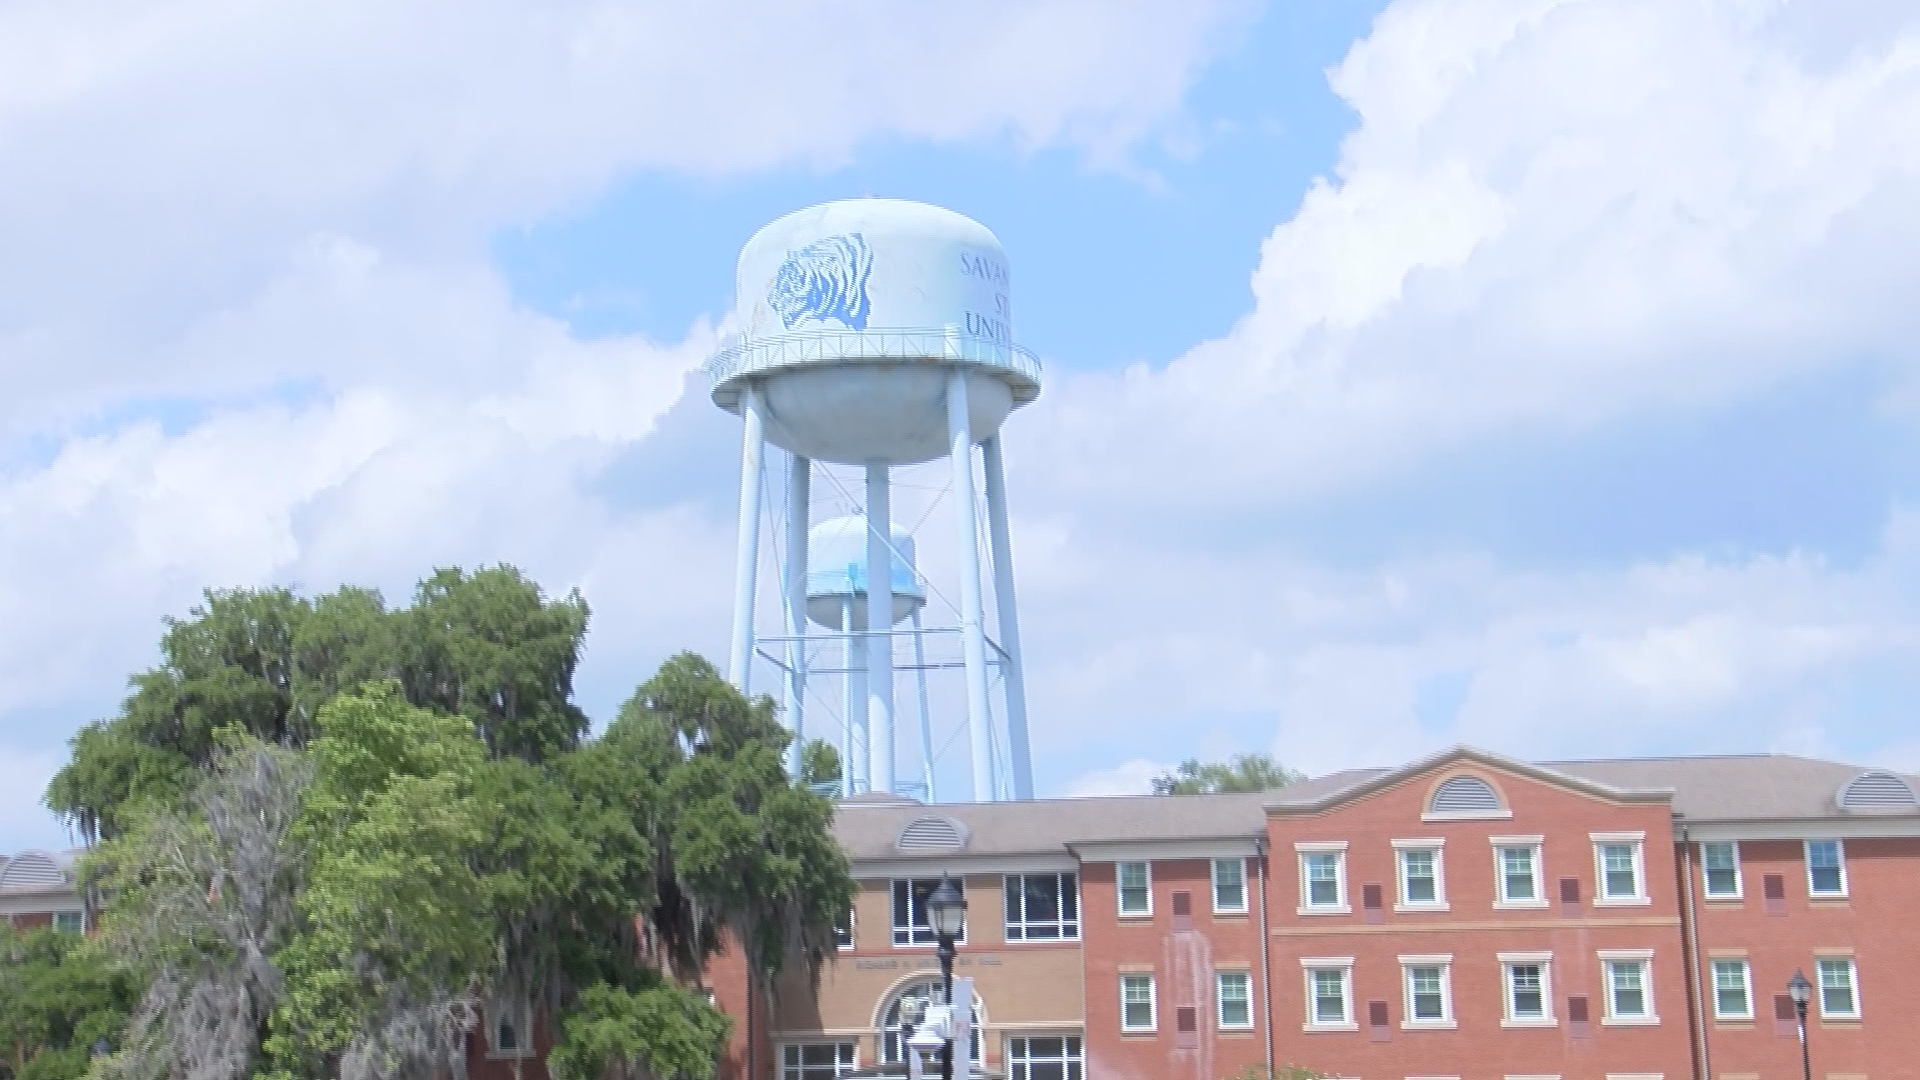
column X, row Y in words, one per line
column 947, row 913
column 1799, row 989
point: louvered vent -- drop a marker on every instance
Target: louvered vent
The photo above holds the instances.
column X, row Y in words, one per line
column 1464, row 795
column 1878, row 791
column 32, row 870
column 932, row 834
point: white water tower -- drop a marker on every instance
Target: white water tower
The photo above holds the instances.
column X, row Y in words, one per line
column 878, row 333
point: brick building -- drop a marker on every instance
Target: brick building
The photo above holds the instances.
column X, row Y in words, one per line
column 1463, row 916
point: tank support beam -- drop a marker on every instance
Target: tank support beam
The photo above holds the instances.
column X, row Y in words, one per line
column 879, row 629
column 799, row 493
column 853, row 763
column 972, row 631
column 926, row 714
column 746, row 564
column 1000, row 537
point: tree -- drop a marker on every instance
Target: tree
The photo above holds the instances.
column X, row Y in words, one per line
column 333, row 833
column 819, row 763
column 1245, row 772
column 60, row 993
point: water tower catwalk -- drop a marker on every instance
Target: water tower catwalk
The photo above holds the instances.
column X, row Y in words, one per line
column 878, row 334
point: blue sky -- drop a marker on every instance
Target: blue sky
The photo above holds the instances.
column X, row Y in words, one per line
column 1402, row 389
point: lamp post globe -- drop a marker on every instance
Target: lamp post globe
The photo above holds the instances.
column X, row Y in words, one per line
column 947, row 914
column 1801, row 991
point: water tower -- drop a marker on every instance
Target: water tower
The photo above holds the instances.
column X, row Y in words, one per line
column 878, row 334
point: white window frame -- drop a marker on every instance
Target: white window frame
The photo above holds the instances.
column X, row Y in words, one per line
column 1153, row 1002
column 78, row 917
column 1542, row 960
column 1213, row 874
column 1008, row 926
column 840, row 1068
column 1438, row 848
column 1840, row 850
column 1612, row 958
column 1820, row 985
column 1746, row 980
column 853, row 933
column 1120, row 889
column 1220, row 998
column 1706, row 882
column 1446, row 1021
column 1068, row 1054
column 893, row 885
column 1338, row 849
column 1637, row 841
column 1500, row 845
column 1344, row 965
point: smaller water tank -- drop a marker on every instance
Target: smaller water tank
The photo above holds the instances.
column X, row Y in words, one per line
column 837, row 572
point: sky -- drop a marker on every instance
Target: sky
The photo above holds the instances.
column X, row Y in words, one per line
column 1541, row 375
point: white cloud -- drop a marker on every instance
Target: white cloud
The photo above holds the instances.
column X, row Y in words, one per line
column 1134, row 777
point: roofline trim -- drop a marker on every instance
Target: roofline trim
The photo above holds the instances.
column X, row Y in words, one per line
column 1833, row 828
column 1455, row 754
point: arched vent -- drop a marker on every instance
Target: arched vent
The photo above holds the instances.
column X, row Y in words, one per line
column 32, row 870
column 1878, row 791
column 932, row 834
column 1464, row 795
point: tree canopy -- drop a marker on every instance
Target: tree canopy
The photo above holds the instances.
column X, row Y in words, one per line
column 1244, row 772
column 336, row 834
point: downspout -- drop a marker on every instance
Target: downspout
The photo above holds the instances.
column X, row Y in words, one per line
column 1702, row 1056
column 1266, row 966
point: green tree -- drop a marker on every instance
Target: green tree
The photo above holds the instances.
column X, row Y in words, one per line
column 60, row 993
column 819, row 763
column 1245, row 772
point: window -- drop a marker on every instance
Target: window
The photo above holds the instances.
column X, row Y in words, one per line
column 1234, row 991
column 816, row 1061
column 1826, row 868
column 1329, row 993
column 71, row 922
column 1732, row 990
column 510, row 1031
column 1043, row 907
column 1429, row 997
column 1135, row 887
column 1421, row 882
column 1230, row 886
column 1323, row 872
column 1054, row 1058
column 843, row 932
column 1628, row 997
column 1619, row 867
column 1528, row 980
column 910, row 925
column 1517, row 860
column 1465, row 797
column 926, row 991
column 1136, row 1003
column 1720, row 866
column 1838, row 998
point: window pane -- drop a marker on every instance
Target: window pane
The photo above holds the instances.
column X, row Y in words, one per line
column 1836, row 988
column 1528, row 992
column 1136, row 1001
column 1823, row 866
column 1134, row 895
column 1517, row 873
column 1423, row 987
column 1418, row 884
column 1329, row 996
column 1617, row 860
column 1236, row 998
column 910, row 923
column 1323, row 879
column 1730, row 989
column 1628, row 981
column 1230, row 884
column 1722, row 872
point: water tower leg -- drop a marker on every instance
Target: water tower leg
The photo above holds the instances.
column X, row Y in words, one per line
column 880, row 628
column 972, row 635
column 799, row 483
column 1001, row 539
column 746, row 564
column 853, row 763
column 926, row 714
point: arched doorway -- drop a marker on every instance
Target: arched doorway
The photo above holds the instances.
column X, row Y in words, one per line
column 927, row 990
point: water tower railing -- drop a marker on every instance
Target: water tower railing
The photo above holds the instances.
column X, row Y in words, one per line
column 745, row 355
column 823, row 660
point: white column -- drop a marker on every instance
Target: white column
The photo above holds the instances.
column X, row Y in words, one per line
column 799, row 483
column 746, row 563
column 972, row 636
column 1000, row 537
column 879, row 628
column 854, row 763
column 926, row 714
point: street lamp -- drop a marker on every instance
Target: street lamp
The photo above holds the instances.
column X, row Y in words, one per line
column 947, row 913
column 1799, row 989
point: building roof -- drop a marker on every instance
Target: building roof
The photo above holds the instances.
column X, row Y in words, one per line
column 871, row 831
column 32, row 872
column 1739, row 787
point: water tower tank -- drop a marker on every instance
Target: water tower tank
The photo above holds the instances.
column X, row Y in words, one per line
column 837, row 573
column 852, row 314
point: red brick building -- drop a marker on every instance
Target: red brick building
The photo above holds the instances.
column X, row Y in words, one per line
column 1462, row 917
